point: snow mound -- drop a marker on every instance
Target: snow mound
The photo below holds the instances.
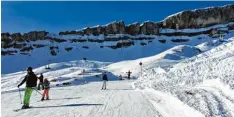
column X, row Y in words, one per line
column 163, row 59
column 204, row 82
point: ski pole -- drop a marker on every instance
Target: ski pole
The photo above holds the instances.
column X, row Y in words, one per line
column 20, row 95
column 37, row 91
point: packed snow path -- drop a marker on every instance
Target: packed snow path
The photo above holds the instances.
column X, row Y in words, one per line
column 119, row 100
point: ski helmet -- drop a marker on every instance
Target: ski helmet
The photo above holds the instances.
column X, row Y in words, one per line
column 29, row 69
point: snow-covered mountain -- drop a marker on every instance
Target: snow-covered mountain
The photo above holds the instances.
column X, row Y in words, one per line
column 185, row 71
column 181, row 81
column 114, row 42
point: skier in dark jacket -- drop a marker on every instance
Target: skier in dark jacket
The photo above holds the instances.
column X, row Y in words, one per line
column 129, row 74
column 31, row 82
column 40, row 82
column 120, row 77
column 105, row 79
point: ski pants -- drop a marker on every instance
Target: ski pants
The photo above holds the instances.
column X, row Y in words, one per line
column 45, row 93
column 104, row 84
column 27, row 95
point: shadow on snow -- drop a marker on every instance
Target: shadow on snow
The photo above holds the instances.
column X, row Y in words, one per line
column 69, row 105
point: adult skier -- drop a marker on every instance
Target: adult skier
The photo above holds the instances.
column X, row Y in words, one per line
column 31, row 82
column 40, row 82
column 120, row 77
column 105, row 79
column 129, row 74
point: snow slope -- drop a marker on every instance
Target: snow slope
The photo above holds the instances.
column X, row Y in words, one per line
column 204, row 82
column 180, row 82
column 119, row 100
column 163, row 59
column 61, row 72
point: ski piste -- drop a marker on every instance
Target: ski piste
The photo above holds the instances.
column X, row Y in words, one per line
column 44, row 100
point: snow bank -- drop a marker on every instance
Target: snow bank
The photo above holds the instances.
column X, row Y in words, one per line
column 203, row 82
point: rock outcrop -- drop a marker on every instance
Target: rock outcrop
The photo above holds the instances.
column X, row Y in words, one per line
column 133, row 29
column 149, row 28
column 35, row 35
column 200, row 18
column 5, row 35
column 187, row 19
column 16, row 36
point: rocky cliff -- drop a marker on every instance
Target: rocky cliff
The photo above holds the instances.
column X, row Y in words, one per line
column 187, row 19
column 192, row 19
column 200, row 18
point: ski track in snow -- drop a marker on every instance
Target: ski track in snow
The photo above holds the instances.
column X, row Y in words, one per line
column 119, row 100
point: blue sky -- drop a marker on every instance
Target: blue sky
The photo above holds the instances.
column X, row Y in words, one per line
column 60, row 16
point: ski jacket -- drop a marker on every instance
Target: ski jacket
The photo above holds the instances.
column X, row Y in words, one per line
column 105, row 77
column 46, row 84
column 41, row 78
column 30, row 79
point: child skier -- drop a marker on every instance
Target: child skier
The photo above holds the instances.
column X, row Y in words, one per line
column 46, row 85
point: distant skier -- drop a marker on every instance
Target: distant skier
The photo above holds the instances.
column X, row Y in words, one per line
column 31, row 82
column 40, row 82
column 129, row 74
column 46, row 85
column 105, row 79
column 120, row 77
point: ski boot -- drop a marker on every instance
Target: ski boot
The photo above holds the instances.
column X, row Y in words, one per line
column 25, row 106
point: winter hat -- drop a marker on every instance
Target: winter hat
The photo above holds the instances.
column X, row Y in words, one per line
column 29, row 69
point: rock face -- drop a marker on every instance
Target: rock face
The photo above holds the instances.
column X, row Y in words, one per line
column 5, row 40
column 187, row 19
column 115, row 28
column 200, row 18
column 16, row 36
column 133, row 29
column 111, row 28
column 5, row 35
column 34, row 35
column 149, row 28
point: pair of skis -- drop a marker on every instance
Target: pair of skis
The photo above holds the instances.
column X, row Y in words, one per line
column 16, row 110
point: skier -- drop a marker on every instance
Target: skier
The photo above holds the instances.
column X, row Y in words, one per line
column 120, row 77
column 31, row 82
column 105, row 79
column 129, row 74
column 46, row 85
column 40, row 82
